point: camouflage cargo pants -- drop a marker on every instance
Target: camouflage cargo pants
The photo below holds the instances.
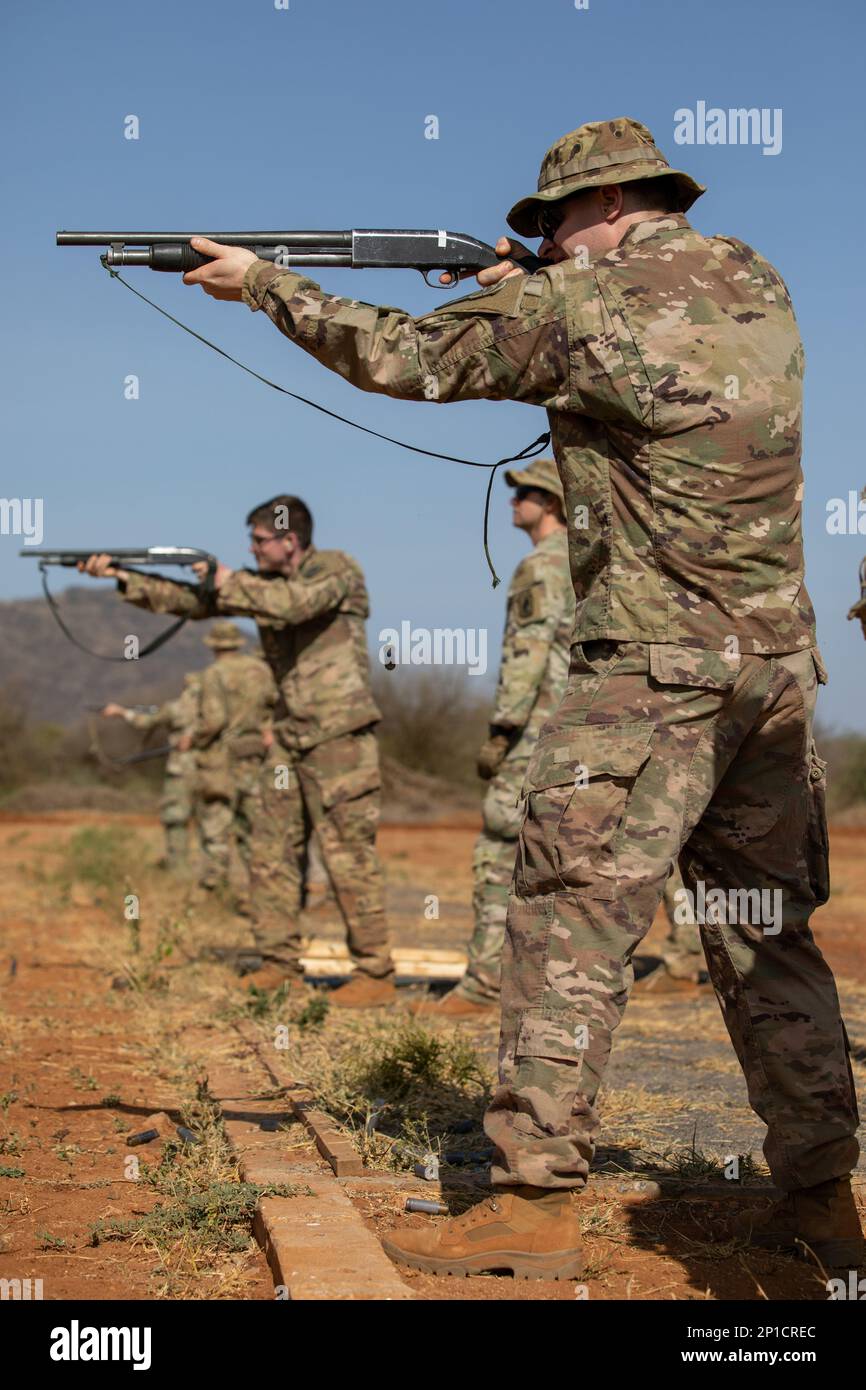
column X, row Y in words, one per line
column 177, row 806
column 334, row 790
column 655, row 747
column 492, row 872
column 227, row 810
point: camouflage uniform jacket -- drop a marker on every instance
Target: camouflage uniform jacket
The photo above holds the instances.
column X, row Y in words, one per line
column 311, row 627
column 237, row 699
column 671, row 371
column 535, row 648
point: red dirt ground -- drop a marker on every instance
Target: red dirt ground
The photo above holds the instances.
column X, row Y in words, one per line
column 70, row 1041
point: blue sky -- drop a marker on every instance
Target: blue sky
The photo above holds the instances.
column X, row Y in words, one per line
column 315, row 116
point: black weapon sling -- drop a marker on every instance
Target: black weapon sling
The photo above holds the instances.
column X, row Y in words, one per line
column 529, row 452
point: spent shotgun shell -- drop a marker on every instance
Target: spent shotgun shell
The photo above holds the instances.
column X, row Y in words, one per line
column 143, row 1137
column 432, row 1208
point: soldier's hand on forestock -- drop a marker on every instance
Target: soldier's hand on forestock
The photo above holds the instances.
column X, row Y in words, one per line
column 184, row 743
column 223, row 277
column 100, row 567
column 112, row 711
column 491, row 754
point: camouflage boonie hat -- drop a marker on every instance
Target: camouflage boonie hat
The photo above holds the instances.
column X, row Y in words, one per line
column 224, row 636
column 541, row 473
column 598, row 153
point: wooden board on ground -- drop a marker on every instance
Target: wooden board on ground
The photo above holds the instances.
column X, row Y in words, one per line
column 326, row 959
column 315, row 1242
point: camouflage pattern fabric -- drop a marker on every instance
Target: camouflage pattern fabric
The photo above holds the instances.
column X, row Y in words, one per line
column 177, row 806
column 333, row 790
column 654, row 746
column 532, row 677
column 492, row 872
column 236, row 702
column 312, row 632
column 671, row 373
column 858, row 609
column 682, row 952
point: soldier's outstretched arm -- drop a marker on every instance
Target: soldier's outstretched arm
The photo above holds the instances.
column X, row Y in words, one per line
column 166, row 596
column 153, row 592
column 508, row 342
column 277, row 602
column 144, row 721
column 505, row 343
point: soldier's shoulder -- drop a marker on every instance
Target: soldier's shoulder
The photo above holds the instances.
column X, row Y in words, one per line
column 751, row 264
column 326, row 562
column 548, row 558
column 525, row 573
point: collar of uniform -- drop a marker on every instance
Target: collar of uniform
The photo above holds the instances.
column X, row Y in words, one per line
column 308, row 555
column 554, row 540
column 666, row 224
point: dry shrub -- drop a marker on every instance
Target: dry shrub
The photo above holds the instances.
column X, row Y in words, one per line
column 433, row 721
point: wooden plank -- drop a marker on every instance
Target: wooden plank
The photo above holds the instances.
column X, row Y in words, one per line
column 319, row 1249
column 322, row 959
column 316, row 1243
column 337, row 950
column 334, row 1146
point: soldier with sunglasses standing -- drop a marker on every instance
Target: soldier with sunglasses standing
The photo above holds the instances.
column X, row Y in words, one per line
column 670, row 366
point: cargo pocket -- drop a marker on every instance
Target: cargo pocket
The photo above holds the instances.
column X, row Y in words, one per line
column 576, row 790
column 818, row 842
column 548, row 1038
column 350, row 785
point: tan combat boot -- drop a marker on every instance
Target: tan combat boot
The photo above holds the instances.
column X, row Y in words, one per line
column 273, row 976
column 821, row 1221
column 364, row 992
column 453, row 1005
column 531, row 1231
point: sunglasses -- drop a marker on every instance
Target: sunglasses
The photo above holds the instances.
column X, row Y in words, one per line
column 521, row 493
column 549, row 221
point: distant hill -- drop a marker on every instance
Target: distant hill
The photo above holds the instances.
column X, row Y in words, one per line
column 52, row 679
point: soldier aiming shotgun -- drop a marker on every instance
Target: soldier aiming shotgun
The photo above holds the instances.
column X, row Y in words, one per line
column 322, row 772
column 693, row 676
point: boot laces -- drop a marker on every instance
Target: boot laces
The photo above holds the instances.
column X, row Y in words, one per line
column 470, row 1217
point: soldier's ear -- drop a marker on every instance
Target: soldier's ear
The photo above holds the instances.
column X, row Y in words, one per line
column 611, row 199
